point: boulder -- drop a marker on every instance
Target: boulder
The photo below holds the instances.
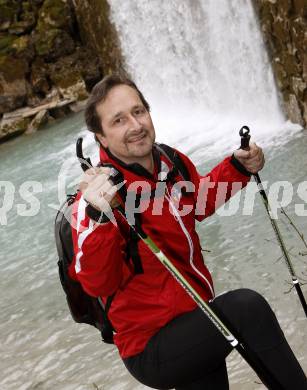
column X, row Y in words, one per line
column 13, row 127
column 28, row 119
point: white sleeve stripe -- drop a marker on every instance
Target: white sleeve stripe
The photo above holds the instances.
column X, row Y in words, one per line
column 81, row 238
column 78, row 264
column 81, row 212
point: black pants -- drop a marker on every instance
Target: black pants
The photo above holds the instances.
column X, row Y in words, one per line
column 189, row 352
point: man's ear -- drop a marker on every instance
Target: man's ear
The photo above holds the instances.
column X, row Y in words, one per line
column 102, row 140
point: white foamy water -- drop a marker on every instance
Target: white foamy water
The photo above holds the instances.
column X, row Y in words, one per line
column 203, row 67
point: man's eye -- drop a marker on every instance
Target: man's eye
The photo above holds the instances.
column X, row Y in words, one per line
column 139, row 111
column 118, row 121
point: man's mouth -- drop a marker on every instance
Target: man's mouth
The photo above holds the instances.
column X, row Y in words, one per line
column 138, row 138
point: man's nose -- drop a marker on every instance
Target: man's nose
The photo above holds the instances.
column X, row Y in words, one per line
column 134, row 124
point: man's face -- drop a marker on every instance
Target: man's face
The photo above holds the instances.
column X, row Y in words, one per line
column 127, row 126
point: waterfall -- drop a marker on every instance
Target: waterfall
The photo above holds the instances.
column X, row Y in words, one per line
column 204, row 69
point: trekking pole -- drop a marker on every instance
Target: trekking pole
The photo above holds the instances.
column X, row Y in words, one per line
column 249, row 356
column 245, row 137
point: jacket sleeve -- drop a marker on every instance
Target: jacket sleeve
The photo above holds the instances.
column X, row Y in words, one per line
column 98, row 253
column 215, row 188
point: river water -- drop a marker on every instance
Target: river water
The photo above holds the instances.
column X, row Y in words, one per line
column 198, row 104
column 41, row 347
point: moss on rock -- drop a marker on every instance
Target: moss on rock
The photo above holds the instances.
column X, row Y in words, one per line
column 67, row 77
column 97, row 31
column 6, row 42
column 53, row 43
column 13, row 87
column 9, row 13
column 43, row 58
column 55, row 14
column 12, row 68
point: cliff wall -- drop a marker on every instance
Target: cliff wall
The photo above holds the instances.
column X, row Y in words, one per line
column 51, row 54
column 283, row 23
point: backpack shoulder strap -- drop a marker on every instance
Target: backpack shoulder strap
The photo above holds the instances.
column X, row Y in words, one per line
column 132, row 247
column 172, row 155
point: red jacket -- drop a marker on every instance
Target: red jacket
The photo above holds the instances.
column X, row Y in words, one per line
column 144, row 303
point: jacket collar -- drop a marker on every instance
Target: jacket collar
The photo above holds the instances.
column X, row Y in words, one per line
column 135, row 169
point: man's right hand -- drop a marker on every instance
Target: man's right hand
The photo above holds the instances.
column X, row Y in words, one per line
column 97, row 189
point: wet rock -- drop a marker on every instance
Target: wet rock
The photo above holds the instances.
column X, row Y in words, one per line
column 53, row 44
column 12, row 128
column 305, row 110
column 13, row 88
column 281, row 75
column 89, row 67
column 40, row 119
column 293, row 110
column 51, row 52
column 17, row 47
column 305, row 69
column 59, row 112
column 283, row 24
column 298, row 87
column 9, row 13
column 300, row 7
column 6, row 42
column 29, row 119
column 66, row 76
column 55, row 14
column 100, row 35
column 52, row 34
column 78, row 106
column 22, row 26
column 39, row 81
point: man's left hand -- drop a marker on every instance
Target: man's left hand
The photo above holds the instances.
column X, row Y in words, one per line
column 252, row 159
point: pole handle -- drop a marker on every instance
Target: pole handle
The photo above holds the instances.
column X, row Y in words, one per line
column 85, row 162
column 245, row 137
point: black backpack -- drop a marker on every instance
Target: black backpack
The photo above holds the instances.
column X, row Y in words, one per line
column 83, row 307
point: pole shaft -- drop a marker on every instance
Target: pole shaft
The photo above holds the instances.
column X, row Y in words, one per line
column 295, row 280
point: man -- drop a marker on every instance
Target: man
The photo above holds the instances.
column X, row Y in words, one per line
column 164, row 340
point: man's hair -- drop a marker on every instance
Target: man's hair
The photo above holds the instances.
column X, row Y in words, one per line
column 99, row 94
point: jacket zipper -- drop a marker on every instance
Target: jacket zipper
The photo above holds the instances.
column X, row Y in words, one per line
column 190, row 242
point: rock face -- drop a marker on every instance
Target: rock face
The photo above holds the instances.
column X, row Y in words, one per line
column 97, row 32
column 283, row 23
column 51, row 51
